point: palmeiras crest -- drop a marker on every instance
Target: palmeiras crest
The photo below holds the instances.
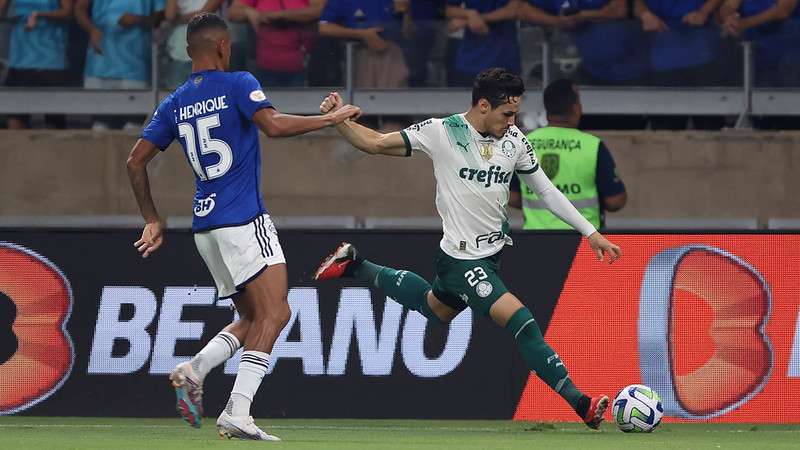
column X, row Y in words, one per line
column 550, row 163
column 509, row 149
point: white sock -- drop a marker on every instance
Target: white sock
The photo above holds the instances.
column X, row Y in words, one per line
column 252, row 368
column 217, row 351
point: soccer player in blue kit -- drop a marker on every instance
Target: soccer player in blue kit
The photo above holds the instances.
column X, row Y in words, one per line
column 216, row 115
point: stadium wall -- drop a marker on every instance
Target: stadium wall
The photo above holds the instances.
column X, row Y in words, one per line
column 710, row 321
column 668, row 174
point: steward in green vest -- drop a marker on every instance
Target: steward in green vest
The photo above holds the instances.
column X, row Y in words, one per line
column 577, row 163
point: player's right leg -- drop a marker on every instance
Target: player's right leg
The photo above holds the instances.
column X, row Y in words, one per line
column 407, row 288
column 508, row 312
column 248, row 261
column 187, row 378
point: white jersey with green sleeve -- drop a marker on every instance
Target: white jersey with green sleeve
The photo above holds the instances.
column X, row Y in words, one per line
column 472, row 173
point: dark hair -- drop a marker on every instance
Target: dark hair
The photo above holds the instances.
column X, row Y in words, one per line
column 496, row 85
column 205, row 21
column 559, row 97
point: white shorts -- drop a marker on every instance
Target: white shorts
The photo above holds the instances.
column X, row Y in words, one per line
column 236, row 255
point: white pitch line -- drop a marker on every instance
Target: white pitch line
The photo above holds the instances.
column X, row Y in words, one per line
column 285, row 427
column 342, row 427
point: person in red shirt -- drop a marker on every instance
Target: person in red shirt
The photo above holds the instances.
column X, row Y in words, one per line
column 285, row 31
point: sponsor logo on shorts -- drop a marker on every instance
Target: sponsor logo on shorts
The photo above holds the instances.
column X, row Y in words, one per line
column 401, row 277
column 204, row 206
column 484, row 289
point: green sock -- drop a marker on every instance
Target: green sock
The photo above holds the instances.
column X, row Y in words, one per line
column 545, row 362
column 406, row 288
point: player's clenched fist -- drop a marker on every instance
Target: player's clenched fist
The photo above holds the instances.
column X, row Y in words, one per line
column 332, row 102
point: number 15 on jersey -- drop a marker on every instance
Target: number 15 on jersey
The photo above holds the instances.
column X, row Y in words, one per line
column 206, row 145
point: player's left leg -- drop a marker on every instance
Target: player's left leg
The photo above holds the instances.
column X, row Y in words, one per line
column 266, row 297
column 478, row 284
column 508, row 312
column 405, row 287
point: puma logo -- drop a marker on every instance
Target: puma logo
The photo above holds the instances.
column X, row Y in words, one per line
column 464, row 146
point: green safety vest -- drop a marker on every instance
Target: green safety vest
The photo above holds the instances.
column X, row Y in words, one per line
column 569, row 158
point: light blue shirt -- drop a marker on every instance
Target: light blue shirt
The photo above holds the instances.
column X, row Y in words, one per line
column 126, row 51
column 45, row 46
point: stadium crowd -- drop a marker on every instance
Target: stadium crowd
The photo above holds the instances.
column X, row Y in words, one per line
column 106, row 44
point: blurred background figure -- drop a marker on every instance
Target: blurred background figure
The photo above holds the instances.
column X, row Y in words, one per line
column 683, row 41
column 285, row 34
column 774, row 28
column 377, row 24
column 578, row 163
column 684, row 50
column 611, row 49
column 490, row 37
column 119, row 50
column 177, row 65
column 38, row 48
column 421, row 22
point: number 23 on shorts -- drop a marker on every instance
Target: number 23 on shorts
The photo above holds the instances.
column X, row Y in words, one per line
column 475, row 275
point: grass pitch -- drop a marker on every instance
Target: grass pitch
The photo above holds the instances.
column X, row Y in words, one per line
column 41, row 433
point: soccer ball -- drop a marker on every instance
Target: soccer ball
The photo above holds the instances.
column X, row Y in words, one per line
column 637, row 409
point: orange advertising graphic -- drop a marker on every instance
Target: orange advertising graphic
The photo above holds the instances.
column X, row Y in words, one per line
column 41, row 301
column 710, row 322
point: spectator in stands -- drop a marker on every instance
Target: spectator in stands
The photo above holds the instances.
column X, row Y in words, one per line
column 178, row 65
column 38, row 50
column 377, row 24
column 421, row 23
column 490, row 37
column 774, row 28
column 684, row 51
column 285, row 31
column 578, row 163
column 611, row 49
column 119, row 50
column 683, row 42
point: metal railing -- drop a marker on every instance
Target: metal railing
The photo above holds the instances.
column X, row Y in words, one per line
column 347, row 222
column 741, row 101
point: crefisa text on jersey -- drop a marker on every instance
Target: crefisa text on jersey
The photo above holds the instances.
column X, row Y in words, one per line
column 201, row 108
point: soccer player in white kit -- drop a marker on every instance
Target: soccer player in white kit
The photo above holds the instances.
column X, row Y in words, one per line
column 474, row 156
column 216, row 115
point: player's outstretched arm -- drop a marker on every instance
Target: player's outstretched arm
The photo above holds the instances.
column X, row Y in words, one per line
column 153, row 234
column 559, row 205
column 372, row 142
column 277, row 124
column 365, row 139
